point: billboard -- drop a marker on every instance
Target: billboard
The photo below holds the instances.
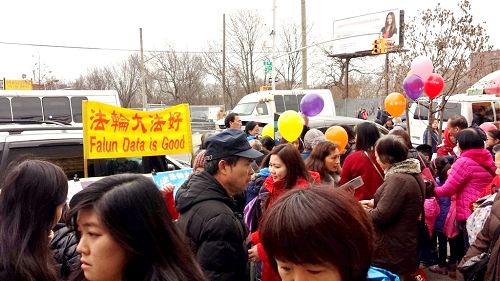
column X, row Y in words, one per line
column 18, row 85
column 356, row 34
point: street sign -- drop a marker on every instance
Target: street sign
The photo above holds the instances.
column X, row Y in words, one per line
column 268, row 66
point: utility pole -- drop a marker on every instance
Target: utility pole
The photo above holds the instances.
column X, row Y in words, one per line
column 39, row 80
column 386, row 74
column 304, row 43
column 273, row 72
column 143, row 78
column 224, row 60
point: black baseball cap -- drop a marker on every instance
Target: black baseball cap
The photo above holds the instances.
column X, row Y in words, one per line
column 230, row 142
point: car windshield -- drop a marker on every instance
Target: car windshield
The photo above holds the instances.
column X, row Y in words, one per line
column 244, row 108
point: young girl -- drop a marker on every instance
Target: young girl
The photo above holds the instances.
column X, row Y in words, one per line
column 126, row 233
column 320, row 234
column 287, row 171
column 441, row 167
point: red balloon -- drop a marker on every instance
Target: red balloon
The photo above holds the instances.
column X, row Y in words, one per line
column 434, row 85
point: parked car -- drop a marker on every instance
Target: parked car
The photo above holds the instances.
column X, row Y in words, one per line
column 63, row 145
column 325, row 123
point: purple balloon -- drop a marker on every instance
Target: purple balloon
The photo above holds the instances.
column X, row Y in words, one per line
column 311, row 104
column 413, row 86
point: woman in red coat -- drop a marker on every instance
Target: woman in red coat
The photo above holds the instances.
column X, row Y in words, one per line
column 363, row 163
column 287, row 171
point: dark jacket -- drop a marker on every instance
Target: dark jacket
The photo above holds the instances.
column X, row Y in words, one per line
column 63, row 246
column 483, row 244
column 216, row 232
column 398, row 204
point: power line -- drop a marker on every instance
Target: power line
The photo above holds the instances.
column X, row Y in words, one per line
column 103, row 49
column 116, row 49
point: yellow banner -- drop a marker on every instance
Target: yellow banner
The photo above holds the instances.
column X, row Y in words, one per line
column 113, row 132
column 18, row 85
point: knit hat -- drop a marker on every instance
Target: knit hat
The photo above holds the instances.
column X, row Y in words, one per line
column 312, row 138
column 199, row 160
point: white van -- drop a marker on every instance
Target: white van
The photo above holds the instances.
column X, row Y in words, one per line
column 465, row 105
column 261, row 106
column 64, row 106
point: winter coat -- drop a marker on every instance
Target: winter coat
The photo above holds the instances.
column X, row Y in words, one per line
column 468, row 177
column 214, row 228
column 397, row 206
column 435, row 139
column 492, row 187
column 276, row 190
column 444, row 207
column 256, row 183
column 358, row 164
column 63, row 246
column 483, row 243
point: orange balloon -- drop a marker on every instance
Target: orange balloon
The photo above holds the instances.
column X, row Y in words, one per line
column 338, row 136
column 395, row 104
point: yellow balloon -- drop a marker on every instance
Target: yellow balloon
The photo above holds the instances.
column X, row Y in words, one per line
column 290, row 125
column 395, row 104
column 268, row 130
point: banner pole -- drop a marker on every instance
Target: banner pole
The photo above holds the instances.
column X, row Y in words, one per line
column 85, row 168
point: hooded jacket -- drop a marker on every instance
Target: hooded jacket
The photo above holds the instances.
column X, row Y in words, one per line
column 215, row 230
column 398, row 204
column 468, row 177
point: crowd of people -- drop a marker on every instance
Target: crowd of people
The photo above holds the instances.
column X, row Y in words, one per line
column 259, row 208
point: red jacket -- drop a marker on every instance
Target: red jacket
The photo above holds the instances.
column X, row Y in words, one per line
column 491, row 188
column 170, row 202
column 358, row 164
column 276, row 190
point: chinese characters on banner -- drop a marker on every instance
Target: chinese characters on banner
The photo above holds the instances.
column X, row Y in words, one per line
column 113, row 132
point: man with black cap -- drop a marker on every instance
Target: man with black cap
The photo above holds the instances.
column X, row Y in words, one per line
column 208, row 214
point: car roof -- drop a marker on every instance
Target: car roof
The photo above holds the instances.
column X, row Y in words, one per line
column 465, row 98
column 342, row 120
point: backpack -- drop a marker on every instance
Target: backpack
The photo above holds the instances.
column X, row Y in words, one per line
column 254, row 209
column 476, row 220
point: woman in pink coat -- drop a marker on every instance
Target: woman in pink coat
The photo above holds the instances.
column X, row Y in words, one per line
column 471, row 172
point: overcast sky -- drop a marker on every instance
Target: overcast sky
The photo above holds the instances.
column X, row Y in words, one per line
column 189, row 24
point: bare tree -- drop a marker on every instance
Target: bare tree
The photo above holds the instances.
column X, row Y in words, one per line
column 449, row 39
column 213, row 65
column 290, row 67
column 125, row 79
column 179, row 75
column 245, row 33
column 95, row 79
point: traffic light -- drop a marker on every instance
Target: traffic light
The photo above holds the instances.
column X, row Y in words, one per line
column 382, row 46
column 376, row 47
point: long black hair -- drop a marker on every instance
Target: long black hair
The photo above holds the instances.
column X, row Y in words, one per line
column 367, row 135
column 31, row 193
column 132, row 209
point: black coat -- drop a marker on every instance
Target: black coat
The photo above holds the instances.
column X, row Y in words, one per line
column 209, row 218
column 63, row 246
